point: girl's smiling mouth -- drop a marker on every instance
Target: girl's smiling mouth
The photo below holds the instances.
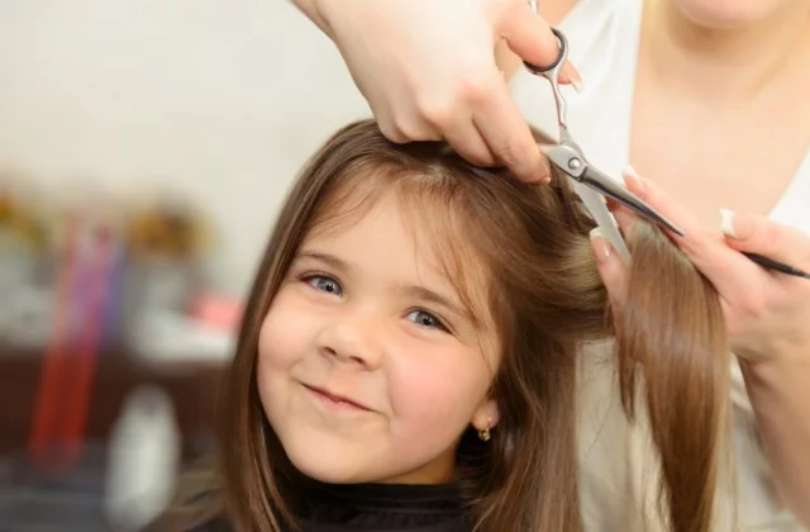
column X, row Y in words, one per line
column 334, row 400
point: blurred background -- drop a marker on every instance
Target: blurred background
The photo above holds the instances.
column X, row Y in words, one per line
column 145, row 148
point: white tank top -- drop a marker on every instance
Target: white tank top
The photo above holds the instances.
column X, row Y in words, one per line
column 618, row 467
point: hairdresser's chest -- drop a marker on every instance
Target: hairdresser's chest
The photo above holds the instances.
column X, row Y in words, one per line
column 718, row 154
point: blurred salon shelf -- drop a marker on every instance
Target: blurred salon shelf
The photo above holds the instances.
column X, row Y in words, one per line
column 37, row 498
column 192, row 385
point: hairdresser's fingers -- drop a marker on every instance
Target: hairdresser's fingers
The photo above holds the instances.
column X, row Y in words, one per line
column 757, row 234
column 611, row 268
column 766, row 312
column 462, row 134
column 407, row 126
column 624, row 217
column 506, row 133
column 771, row 310
column 569, row 74
column 762, row 309
column 530, row 37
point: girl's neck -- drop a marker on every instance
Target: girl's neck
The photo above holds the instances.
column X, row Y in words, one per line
column 736, row 62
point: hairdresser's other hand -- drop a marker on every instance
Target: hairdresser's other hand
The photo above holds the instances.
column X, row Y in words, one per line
column 767, row 313
column 428, row 70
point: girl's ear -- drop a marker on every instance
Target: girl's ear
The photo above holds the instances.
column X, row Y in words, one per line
column 486, row 416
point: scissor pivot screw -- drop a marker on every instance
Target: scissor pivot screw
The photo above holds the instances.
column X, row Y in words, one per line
column 574, row 163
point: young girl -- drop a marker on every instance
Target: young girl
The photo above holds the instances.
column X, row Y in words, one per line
column 408, row 356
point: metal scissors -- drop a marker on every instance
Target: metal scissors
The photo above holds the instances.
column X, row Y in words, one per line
column 593, row 185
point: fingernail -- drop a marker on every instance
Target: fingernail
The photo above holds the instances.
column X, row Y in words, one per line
column 635, row 180
column 574, row 76
column 545, row 171
column 727, row 222
column 601, row 247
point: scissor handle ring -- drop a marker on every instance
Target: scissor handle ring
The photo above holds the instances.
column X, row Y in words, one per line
column 560, row 57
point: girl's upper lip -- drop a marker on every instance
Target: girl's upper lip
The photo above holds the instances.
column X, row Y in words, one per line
column 336, row 397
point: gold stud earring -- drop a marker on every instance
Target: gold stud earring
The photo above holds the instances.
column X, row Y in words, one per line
column 484, row 434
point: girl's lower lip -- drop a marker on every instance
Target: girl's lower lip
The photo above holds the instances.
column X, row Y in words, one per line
column 333, row 402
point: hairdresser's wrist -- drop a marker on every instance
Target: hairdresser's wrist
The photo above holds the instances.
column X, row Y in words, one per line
column 782, row 362
column 778, row 391
column 775, row 352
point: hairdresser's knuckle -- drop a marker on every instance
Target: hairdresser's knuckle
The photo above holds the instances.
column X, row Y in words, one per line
column 476, row 90
column 412, row 130
column 436, row 111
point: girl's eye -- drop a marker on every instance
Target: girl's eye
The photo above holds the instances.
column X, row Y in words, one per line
column 324, row 284
column 426, row 319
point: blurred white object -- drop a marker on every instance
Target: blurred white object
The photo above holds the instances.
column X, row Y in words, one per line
column 143, row 460
column 163, row 335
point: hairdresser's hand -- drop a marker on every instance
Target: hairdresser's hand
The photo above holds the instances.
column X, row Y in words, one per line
column 428, row 70
column 767, row 313
column 768, row 317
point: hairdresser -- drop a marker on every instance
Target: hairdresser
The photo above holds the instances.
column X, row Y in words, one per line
column 708, row 100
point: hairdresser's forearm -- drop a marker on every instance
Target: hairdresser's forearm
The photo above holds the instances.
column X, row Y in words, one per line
column 779, row 389
column 312, row 9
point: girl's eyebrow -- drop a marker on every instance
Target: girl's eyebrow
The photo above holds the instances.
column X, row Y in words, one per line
column 325, row 257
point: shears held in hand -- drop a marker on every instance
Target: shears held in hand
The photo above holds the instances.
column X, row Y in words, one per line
column 593, row 185
column 569, row 158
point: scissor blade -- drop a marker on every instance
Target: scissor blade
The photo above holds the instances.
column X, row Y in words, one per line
column 595, row 203
column 600, row 182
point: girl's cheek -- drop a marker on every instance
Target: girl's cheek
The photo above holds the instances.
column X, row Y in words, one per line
column 285, row 332
column 432, row 385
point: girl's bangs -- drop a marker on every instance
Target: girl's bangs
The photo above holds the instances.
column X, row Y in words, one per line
column 434, row 211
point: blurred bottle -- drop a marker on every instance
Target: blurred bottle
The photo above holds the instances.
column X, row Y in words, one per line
column 144, row 454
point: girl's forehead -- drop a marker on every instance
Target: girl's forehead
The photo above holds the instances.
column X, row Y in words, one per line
column 436, row 231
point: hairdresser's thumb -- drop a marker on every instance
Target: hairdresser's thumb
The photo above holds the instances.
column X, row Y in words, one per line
column 611, row 268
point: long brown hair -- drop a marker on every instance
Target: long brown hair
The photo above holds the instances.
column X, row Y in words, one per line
column 547, row 300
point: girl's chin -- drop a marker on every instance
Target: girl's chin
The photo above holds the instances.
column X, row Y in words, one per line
column 330, row 466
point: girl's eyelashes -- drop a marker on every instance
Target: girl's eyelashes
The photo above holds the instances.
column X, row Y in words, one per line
column 329, row 285
column 323, row 283
column 426, row 319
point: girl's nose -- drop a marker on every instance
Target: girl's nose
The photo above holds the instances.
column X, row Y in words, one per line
column 351, row 341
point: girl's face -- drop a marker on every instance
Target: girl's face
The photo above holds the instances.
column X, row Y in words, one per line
column 370, row 369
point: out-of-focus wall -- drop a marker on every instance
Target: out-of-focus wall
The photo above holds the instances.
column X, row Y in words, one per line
column 220, row 101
